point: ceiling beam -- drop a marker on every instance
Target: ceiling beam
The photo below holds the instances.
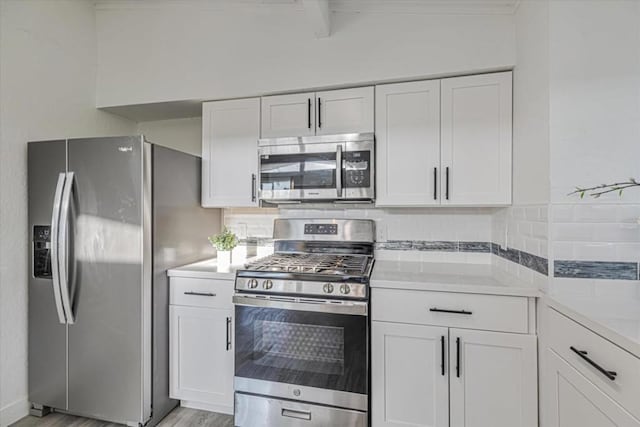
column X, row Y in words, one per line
column 319, row 16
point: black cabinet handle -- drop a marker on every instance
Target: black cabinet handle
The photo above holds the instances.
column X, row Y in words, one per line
column 446, row 172
column 442, row 353
column 200, row 294
column 435, row 183
column 458, row 357
column 319, row 113
column 444, row 310
column 309, row 113
column 583, row 354
column 253, row 187
column 228, row 333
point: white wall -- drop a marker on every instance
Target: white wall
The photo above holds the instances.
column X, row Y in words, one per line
column 47, row 90
column 531, row 104
column 180, row 134
column 594, row 95
column 163, row 51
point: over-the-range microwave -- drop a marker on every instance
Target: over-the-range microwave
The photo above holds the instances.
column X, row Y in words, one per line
column 328, row 168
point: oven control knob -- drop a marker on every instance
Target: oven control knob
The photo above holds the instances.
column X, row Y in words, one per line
column 327, row 288
column 267, row 284
column 345, row 289
column 252, row 283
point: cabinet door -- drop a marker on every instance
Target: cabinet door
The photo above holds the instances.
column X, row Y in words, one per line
column 288, row 115
column 493, row 379
column 344, row 111
column 409, row 383
column 476, row 140
column 408, row 143
column 575, row 401
column 230, row 133
column 201, row 355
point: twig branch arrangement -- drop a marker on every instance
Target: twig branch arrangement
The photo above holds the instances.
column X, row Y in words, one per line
column 601, row 189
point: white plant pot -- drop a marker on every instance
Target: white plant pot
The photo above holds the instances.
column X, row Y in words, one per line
column 224, row 259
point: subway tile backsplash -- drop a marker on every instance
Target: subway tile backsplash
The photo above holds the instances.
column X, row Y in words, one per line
column 588, row 241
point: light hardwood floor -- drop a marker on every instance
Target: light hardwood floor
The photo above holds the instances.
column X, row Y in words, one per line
column 178, row 417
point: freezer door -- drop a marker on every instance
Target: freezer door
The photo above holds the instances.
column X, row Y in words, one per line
column 47, row 335
column 109, row 341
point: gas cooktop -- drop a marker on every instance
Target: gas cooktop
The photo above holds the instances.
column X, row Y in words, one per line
column 351, row 265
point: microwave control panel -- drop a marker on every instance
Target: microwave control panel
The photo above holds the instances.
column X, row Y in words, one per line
column 357, row 169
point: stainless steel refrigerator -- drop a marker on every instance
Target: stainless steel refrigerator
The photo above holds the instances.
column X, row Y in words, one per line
column 107, row 218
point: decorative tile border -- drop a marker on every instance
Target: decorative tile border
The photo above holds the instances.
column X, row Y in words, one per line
column 434, row 246
column 596, row 270
column 525, row 259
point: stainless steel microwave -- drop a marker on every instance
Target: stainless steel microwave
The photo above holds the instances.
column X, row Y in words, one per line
column 317, row 168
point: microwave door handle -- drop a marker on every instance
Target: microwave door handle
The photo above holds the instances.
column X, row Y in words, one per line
column 65, row 279
column 339, row 170
column 55, row 271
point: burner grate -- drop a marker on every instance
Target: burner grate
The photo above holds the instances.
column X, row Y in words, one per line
column 312, row 263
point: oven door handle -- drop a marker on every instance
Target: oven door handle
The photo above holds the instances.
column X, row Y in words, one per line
column 358, row 308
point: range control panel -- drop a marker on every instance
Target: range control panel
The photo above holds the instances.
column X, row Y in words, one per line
column 42, row 251
column 321, row 229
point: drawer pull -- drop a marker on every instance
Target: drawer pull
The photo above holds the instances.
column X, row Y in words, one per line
column 294, row 413
column 583, row 355
column 200, row 294
column 443, row 310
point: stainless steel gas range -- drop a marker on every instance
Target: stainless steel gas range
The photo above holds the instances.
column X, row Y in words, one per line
column 302, row 327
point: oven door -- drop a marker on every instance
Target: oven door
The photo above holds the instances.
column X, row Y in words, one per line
column 301, row 172
column 309, row 350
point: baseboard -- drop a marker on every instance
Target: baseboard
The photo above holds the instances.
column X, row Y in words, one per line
column 13, row 412
column 220, row 409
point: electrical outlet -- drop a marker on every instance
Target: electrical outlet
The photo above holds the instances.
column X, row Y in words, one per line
column 381, row 231
column 503, row 243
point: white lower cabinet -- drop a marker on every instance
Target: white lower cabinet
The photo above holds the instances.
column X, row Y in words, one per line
column 493, row 379
column 574, row 401
column 201, row 353
column 426, row 375
column 409, row 386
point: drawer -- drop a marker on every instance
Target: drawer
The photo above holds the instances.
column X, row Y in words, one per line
column 201, row 292
column 565, row 333
column 476, row 311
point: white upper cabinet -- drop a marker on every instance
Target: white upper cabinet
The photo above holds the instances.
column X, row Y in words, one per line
column 288, row 115
column 318, row 113
column 409, row 381
column 476, row 139
column 408, row 143
column 344, row 111
column 230, row 133
column 493, row 379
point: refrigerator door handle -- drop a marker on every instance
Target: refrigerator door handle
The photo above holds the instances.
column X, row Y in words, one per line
column 55, row 271
column 64, row 244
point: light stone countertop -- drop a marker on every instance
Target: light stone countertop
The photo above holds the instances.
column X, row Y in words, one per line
column 448, row 277
column 207, row 269
column 616, row 319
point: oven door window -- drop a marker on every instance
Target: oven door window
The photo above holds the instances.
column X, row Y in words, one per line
column 305, row 348
column 302, row 171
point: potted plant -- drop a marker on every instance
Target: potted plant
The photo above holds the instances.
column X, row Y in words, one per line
column 224, row 244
